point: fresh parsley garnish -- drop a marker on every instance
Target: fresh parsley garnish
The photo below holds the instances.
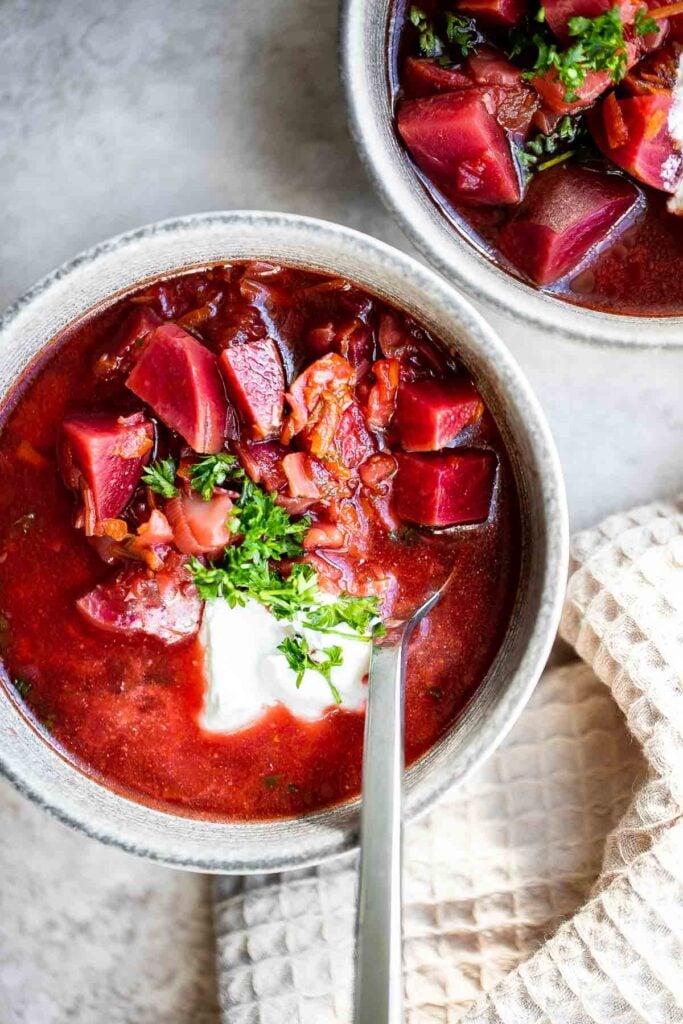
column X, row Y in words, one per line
column 462, row 32
column 268, row 532
column 429, row 43
column 599, row 46
column 160, row 477
column 544, row 151
column 360, row 614
column 643, row 24
column 212, row 471
column 22, row 686
column 265, row 534
column 300, row 658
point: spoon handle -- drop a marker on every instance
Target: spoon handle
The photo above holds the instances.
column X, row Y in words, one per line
column 379, row 974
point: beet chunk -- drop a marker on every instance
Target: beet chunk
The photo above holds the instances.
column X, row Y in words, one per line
column 353, row 441
column 647, row 151
column 431, row 413
column 262, row 462
column 498, row 13
column 164, row 605
column 128, row 341
column 444, row 489
column 255, row 382
column 458, row 142
column 424, row 77
column 106, row 454
column 179, row 379
column 558, row 13
column 567, row 210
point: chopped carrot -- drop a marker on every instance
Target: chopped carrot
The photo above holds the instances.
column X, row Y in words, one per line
column 615, row 125
column 655, row 125
column 27, row 453
column 669, row 11
column 117, row 529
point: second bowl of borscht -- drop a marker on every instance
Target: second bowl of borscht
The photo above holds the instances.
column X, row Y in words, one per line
column 533, row 152
column 235, row 449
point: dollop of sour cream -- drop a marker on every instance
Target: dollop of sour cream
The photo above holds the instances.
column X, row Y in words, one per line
column 245, row 674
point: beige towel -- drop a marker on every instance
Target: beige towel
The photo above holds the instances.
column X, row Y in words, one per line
column 578, row 813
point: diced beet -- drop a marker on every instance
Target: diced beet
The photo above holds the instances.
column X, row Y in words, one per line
column 255, row 382
column 431, row 413
column 553, row 92
column 497, row 13
column 179, row 379
column 568, row 210
column 656, row 72
column 558, row 12
column 164, row 605
column 424, row 77
column 491, row 67
column 456, row 141
column 106, row 454
column 262, row 462
column 128, row 342
column 353, row 441
column 649, row 152
column 444, row 489
column 199, row 527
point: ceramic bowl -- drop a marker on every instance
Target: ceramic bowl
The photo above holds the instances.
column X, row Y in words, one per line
column 365, row 34
column 96, row 278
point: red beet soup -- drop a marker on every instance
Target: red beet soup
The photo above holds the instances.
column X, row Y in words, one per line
column 245, row 439
column 550, row 136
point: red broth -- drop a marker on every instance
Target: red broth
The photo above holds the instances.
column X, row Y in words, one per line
column 632, row 266
column 124, row 709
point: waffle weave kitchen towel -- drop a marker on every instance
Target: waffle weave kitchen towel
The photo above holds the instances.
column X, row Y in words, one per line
column 549, row 888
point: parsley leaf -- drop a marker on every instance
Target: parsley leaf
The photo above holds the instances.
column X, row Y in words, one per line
column 361, row 614
column 212, row 471
column 160, row 478
column 544, row 151
column 268, row 532
column 599, row 46
column 429, row 43
column 462, row 32
column 300, row 657
column 643, row 24
column 22, row 686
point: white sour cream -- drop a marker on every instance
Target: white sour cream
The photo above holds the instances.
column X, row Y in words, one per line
column 245, row 673
column 675, row 125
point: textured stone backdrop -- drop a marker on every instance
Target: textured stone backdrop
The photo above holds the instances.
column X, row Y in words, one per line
column 113, row 114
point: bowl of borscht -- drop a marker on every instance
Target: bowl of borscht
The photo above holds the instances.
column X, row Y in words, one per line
column 533, row 152
column 235, row 447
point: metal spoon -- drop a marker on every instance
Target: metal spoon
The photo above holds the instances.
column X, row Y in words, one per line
column 379, row 973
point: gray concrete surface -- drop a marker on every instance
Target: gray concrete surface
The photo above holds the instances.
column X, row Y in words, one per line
column 117, row 113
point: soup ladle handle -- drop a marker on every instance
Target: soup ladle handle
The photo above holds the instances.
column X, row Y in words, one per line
column 379, row 974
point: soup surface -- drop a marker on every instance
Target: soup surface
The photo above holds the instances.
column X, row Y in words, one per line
column 214, row 491
column 550, row 136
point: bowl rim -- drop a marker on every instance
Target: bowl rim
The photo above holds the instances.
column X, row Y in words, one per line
column 198, row 844
column 363, row 29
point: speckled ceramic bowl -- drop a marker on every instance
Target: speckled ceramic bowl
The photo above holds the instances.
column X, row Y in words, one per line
column 365, row 30
column 97, row 277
